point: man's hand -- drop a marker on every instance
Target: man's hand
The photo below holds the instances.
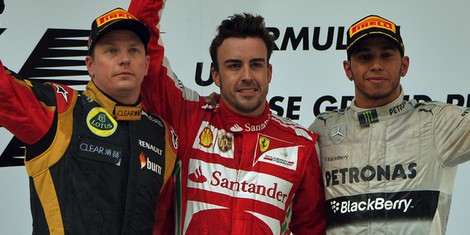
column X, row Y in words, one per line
column 212, row 99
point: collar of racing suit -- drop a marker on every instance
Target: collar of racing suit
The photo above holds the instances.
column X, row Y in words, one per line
column 119, row 112
column 240, row 124
column 365, row 117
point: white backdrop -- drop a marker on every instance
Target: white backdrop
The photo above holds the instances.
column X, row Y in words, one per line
column 435, row 34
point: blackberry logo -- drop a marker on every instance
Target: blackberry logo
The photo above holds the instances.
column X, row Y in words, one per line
column 335, row 206
column 349, row 206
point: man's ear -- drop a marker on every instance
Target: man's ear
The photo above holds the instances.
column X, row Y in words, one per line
column 215, row 76
column 405, row 64
column 147, row 65
column 89, row 66
column 270, row 72
column 347, row 69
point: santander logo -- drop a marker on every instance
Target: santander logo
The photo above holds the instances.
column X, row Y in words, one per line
column 238, row 183
column 197, row 176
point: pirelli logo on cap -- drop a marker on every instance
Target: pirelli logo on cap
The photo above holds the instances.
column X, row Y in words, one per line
column 373, row 26
column 113, row 15
column 372, row 22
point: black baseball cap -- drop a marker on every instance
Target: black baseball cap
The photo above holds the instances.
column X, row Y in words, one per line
column 117, row 19
column 374, row 26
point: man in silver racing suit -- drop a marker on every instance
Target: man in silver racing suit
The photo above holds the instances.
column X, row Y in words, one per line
column 388, row 164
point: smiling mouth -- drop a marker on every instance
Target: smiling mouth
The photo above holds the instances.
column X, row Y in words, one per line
column 248, row 90
column 376, row 80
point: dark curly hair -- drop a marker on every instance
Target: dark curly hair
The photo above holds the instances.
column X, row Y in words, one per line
column 241, row 26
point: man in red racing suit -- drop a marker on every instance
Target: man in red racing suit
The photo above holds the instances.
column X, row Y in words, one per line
column 234, row 174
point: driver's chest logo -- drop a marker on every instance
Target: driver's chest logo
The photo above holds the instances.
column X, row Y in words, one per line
column 100, row 122
column 263, row 143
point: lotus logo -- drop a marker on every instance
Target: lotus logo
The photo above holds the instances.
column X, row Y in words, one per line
column 100, row 122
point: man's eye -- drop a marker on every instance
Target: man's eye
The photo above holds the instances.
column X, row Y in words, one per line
column 387, row 55
column 364, row 57
column 233, row 66
column 134, row 50
column 111, row 51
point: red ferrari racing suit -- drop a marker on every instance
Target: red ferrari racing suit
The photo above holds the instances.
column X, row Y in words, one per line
column 391, row 170
column 234, row 174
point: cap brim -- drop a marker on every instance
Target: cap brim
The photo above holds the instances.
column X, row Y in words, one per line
column 374, row 34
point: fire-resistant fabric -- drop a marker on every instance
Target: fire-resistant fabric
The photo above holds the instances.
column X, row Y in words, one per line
column 89, row 172
column 235, row 175
column 391, row 170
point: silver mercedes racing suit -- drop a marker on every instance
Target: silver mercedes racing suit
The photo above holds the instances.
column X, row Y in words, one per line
column 391, row 170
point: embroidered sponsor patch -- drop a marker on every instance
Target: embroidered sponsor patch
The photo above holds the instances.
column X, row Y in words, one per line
column 206, row 137
column 225, row 141
column 100, row 122
column 146, row 163
column 338, row 133
column 128, row 113
column 62, row 91
column 215, row 141
column 100, row 151
column 263, row 143
column 368, row 117
column 286, row 157
column 219, row 179
column 277, row 152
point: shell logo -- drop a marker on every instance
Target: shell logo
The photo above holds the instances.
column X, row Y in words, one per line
column 206, row 137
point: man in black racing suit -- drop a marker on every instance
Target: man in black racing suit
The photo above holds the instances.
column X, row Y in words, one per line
column 388, row 164
column 96, row 161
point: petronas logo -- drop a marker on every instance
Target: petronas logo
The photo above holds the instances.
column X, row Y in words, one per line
column 100, row 122
column 368, row 117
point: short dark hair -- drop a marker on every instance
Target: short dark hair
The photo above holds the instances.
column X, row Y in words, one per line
column 241, row 26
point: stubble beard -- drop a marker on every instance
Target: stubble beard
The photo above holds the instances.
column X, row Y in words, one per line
column 241, row 105
column 378, row 93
